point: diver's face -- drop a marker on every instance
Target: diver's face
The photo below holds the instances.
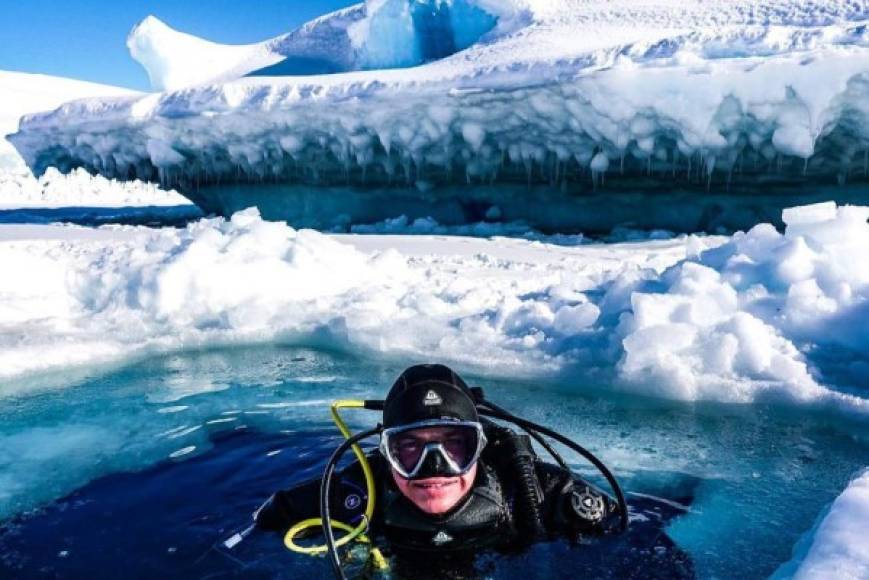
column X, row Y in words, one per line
column 436, row 495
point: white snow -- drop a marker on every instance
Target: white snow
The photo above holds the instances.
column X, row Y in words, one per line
column 838, row 546
column 688, row 318
column 79, row 189
column 557, row 91
column 21, row 94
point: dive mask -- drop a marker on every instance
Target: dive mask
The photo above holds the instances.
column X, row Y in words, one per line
column 432, row 448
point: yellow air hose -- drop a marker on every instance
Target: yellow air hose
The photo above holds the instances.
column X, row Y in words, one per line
column 352, row 533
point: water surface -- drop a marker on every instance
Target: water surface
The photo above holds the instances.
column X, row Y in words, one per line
column 143, row 469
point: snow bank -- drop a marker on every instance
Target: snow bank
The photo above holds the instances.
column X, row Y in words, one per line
column 21, row 94
column 570, row 94
column 676, row 318
column 838, row 544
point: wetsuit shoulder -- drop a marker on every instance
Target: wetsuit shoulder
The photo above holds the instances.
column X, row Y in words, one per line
column 572, row 505
column 568, row 505
column 302, row 501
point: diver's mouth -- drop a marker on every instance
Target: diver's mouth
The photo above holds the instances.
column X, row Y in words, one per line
column 433, row 483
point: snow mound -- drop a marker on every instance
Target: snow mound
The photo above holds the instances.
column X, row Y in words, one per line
column 570, row 95
column 742, row 311
column 838, row 544
column 736, row 320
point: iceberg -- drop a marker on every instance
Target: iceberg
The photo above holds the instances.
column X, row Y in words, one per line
column 569, row 115
column 836, row 547
column 376, row 35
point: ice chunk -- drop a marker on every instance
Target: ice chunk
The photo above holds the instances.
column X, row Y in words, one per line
column 838, row 544
column 809, row 214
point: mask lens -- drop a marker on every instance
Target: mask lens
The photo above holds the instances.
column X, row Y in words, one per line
column 459, row 442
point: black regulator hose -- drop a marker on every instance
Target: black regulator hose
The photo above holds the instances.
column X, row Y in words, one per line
column 497, row 413
column 325, row 488
column 536, row 436
column 528, row 498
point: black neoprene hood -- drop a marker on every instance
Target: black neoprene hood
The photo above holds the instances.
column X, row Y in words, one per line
column 426, row 392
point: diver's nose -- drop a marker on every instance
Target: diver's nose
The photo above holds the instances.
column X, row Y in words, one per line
column 433, row 465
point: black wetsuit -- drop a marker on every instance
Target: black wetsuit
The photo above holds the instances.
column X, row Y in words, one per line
column 504, row 510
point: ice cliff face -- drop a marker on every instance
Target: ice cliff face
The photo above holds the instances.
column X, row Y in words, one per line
column 567, row 96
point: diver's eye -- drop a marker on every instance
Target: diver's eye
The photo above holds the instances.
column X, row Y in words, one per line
column 457, row 448
column 408, row 451
column 408, row 445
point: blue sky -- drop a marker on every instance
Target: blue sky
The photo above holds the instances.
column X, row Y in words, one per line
column 85, row 39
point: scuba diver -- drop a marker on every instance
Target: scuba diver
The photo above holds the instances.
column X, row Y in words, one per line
column 448, row 481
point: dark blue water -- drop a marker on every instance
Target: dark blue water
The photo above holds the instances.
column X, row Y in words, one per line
column 156, row 216
column 164, row 521
column 142, row 471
